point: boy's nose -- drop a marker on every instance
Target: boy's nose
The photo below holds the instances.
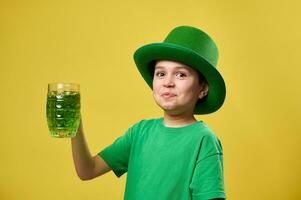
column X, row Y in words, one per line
column 168, row 82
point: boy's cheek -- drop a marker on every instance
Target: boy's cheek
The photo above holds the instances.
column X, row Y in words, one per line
column 155, row 87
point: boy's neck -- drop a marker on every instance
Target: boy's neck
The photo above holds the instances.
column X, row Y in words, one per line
column 178, row 120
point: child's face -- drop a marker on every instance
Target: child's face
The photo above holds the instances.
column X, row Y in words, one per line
column 176, row 87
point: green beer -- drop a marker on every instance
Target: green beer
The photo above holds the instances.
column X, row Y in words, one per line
column 63, row 113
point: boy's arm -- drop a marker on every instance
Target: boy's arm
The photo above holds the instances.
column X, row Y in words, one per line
column 87, row 167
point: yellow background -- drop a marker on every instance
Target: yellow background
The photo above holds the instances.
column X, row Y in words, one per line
column 92, row 43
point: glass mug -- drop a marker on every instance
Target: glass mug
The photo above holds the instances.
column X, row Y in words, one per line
column 63, row 109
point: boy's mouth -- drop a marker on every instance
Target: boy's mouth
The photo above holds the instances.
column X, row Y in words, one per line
column 168, row 95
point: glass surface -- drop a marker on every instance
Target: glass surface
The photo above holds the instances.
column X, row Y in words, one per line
column 63, row 109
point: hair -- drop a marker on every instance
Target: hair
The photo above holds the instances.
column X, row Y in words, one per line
column 202, row 79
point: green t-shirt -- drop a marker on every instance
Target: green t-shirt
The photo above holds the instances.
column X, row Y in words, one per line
column 168, row 163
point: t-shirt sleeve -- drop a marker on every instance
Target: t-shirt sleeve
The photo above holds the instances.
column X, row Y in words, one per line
column 208, row 177
column 117, row 154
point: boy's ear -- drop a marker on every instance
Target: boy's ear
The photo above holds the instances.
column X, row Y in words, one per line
column 203, row 91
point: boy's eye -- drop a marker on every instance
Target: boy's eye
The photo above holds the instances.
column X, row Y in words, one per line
column 181, row 75
column 159, row 74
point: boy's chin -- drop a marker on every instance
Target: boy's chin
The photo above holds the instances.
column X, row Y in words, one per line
column 173, row 111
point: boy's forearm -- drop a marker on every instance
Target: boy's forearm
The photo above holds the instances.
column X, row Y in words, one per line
column 81, row 155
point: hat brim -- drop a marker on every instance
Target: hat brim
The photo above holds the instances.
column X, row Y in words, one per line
column 145, row 55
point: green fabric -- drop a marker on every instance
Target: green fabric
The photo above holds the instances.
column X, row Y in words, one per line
column 168, row 163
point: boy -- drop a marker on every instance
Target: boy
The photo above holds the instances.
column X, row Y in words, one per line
column 174, row 157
